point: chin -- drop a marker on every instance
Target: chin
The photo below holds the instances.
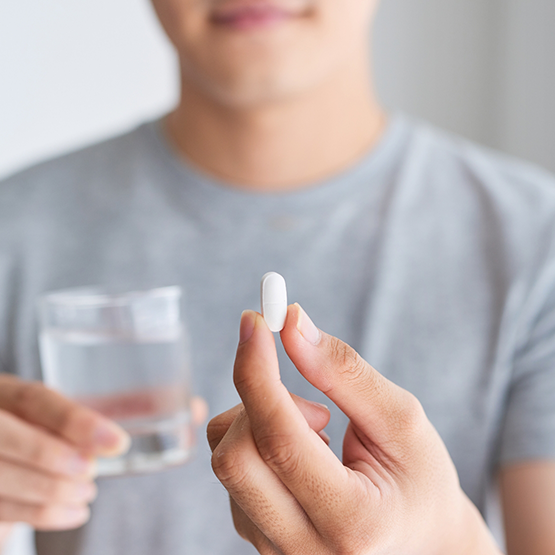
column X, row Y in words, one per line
column 250, row 91
column 256, row 80
column 250, row 52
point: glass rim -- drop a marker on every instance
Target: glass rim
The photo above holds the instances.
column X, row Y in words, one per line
column 91, row 296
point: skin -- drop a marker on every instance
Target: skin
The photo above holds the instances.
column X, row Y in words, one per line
column 48, row 446
column 396, row 490
column 528, row 500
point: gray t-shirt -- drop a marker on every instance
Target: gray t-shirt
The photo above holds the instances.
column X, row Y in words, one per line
column 432, row 257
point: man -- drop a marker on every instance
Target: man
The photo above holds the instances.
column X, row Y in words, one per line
column 429, row 256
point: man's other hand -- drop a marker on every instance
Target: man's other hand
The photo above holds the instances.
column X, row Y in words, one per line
column 48, row 445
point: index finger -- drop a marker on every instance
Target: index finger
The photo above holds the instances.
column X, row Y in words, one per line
column 285, row 441
column 386, row 413
column 86, row 429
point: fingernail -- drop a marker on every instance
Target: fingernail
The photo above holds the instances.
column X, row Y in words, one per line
column 93, row 470
column 80, row 465
column 110, row 436
column 307, row 328
column 320, row 405
column 246, row 329
column 86, row 491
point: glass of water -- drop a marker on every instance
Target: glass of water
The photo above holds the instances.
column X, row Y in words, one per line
column 126, row 356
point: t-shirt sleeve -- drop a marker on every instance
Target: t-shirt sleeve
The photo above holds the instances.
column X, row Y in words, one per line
column 529, row 425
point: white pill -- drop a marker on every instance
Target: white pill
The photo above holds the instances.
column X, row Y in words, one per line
column 273, row 300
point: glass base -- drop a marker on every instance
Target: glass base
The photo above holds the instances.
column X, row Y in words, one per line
column 154, row 446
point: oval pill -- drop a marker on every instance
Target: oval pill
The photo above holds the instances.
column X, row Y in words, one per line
column 273, row 300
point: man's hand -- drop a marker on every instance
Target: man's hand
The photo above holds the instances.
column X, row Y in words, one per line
column 396, row 491
column 47, row 450
column 48, row 445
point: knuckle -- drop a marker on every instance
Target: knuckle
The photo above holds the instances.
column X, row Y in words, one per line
column 39, row 453
column 411, row 415
column 279, row 452
column 27, row 395
column 409, row 418
column 216, row 430
column 213, row 427
column 350, row 364
column 229, row 467
column 245, row 382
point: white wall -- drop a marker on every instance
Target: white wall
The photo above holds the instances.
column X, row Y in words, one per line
column 526, row 120
column 481, row 68
column 434, row 59
column 72, row 72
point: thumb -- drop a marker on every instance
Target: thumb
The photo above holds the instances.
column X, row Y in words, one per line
column 385, row 412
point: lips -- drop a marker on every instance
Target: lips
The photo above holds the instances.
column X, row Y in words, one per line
column 252, row 15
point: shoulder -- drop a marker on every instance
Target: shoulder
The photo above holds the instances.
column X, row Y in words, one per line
column 507, row 201
column 73, row 171
column 502, row 181
column 493, row 213
column 62, row 194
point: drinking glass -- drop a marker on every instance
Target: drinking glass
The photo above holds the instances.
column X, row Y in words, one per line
column 125, row 355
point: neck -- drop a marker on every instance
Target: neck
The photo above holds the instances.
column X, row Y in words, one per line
column 284, row 145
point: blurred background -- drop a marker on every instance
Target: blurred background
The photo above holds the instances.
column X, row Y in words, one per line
column 72, row 73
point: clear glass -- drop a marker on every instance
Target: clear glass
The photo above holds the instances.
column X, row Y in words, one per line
column 125, row 355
